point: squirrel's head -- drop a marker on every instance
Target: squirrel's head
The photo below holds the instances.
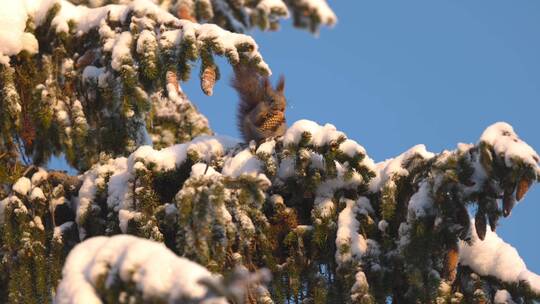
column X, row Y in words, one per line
column 276, row 97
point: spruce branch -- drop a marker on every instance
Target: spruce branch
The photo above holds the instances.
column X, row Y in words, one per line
column 359, row 230
column 103, row 80
column 241, row 16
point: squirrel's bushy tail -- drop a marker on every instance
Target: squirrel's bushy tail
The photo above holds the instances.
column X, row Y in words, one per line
column 251, row 90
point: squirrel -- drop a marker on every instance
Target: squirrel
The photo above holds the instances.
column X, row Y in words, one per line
column 261, row 109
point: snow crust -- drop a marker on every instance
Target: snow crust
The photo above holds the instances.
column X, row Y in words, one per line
column 503, row 297
column 36, row 222
column 385, row 170
column 22, row 186
column 202, row 169
column 37, row 194
column 145, row 37
column 328, row 187
column 420, row 203
column 244, row 163
column 320, row 135
column 121, row 51
column 39, row 176
column 321, row 9
column 269, row 6
column 12, row 199
column 347, row 232
column 268, row 147
column 505, row 141
column 351, row 148
column 206, row 147
column 494, row 257
column 155, row 270
column 324, row 205
column 13, row 38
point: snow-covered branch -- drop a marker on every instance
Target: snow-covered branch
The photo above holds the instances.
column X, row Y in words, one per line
column 138, row 15
column 311, row 200
column 105, row 268
column 240, row 16
column 108, row 77
column 493, row 257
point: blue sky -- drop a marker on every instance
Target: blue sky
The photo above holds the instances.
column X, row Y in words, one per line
column 395, row 74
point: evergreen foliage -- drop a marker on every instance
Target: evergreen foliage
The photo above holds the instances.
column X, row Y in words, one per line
column 107, row 79
column 239, row 15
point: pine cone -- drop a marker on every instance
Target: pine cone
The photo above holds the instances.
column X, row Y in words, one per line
column 462, row 218
column 28, row 132
column 451, row 263
column 208, row 80
column 480, row 224
column 249, row 297
column 493, row 218
column 86, row 59
column 508, row 203
column 522, row 188
column 172, row 79
column 491, row 208
column 184, row 12
column 273, row 121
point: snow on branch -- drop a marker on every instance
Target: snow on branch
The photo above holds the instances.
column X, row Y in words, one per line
column 13, row 38
column 507, row 145
column 118, row 175
column 145, row 14
column 494, row 257
column 422, row 198
column 119, row 63
column 101, row 267
column 241, row 16
column 311, row 13
column 304, row 201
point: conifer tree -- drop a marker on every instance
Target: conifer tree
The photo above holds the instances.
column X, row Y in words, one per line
column 163, row 211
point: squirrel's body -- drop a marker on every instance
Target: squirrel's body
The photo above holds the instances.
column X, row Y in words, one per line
column 261, row 109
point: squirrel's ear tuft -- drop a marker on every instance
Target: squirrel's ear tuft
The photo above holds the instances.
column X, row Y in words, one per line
column 267, row 84
column 281, row 84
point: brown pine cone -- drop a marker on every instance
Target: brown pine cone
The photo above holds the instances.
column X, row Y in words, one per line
column 451, row 263
column 208, row 80
column 172, row 79
column 184, row 12
column 272, row 122
column 508, row 203
column 480, row 225
column 522, row 188
column 86, row 59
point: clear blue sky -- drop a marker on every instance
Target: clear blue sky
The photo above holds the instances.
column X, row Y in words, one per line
column 395, row 74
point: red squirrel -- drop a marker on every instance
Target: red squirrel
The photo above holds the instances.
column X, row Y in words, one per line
column 261, row 109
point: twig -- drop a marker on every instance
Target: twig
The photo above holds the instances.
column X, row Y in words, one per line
column 30, row 168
